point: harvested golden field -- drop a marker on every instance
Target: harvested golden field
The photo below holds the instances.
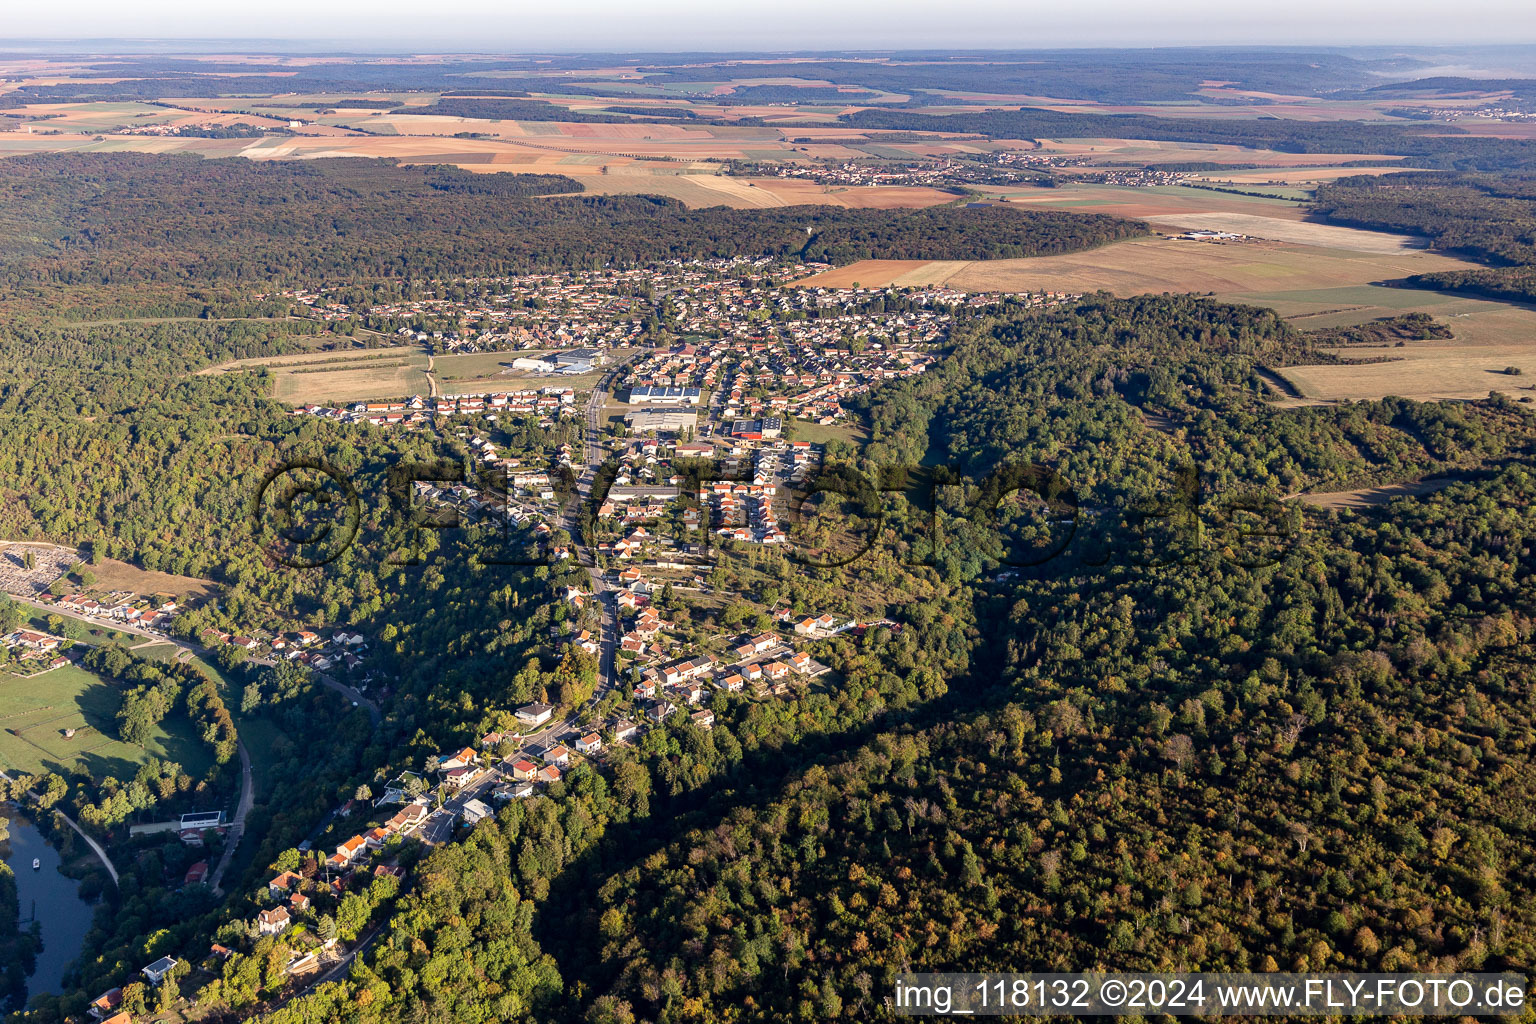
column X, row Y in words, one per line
column 700, row 190
column 1160, row 200
column 341, row 377
column 1142, row 265
column 1488, row 338
column 868, row 273
column 859, row 197
column 1292, row 175
column 1367, row 497
column 1112, row 151
column 1326, row 236
column 1428, row 375
column 694, row 190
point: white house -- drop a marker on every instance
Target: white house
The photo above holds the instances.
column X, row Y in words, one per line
column 534, row 714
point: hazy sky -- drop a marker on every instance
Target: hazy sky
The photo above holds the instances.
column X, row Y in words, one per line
column 573, row 25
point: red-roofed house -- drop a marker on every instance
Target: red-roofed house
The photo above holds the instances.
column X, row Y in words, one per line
column 467, row 756
column 106, row 1003
column 284, row 882
column 351, row 849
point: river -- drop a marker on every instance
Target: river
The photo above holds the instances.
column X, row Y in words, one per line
column 53, row 898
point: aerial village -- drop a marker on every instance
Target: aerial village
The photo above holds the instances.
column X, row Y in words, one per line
column 706, row 364
column 736, row 324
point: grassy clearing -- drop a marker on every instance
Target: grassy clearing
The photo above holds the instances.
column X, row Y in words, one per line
column 1368, row 497
column 258, row 732
column 164, row 652
column 114, row 575
column 316, row 359
column 479, row 364
column 1427, row 373
column 853, row 433
column 347, row 375
column 353, row 385
column 34, row 713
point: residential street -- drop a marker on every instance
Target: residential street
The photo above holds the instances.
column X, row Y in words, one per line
column 439, row 827
column 608, row 639
column 237, row 824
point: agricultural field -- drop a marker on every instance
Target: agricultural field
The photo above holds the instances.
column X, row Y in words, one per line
column 1249, row 270
column 1487, row 338
column 1428, row 372
column 1144, row 151
column 35, row 712
column 1259, row 176
column 1156, row 201
column 664, row 157
column 112, row 117
column 877, row 273
column 346, row 376
column 692, row 190
column 700, row 190
column 1325, row 236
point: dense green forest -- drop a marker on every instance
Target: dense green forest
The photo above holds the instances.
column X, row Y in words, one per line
column 1489, row 218
column 1317, row 761
column 120, row 219
column 1173, row 722
column 1518, row 89
column 1437, row 146
column 1107, row 76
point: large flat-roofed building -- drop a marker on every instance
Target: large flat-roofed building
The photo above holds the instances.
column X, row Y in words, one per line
column 649, row 421
column 663, row 396
column 202, row 819
column 534, row 364
column 757, row 430
column 580, row 360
